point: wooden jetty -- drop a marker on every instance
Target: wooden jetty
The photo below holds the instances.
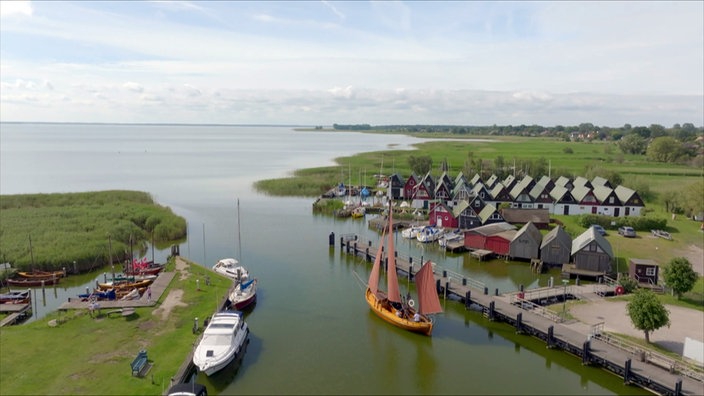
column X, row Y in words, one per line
column 593, row 347
column 16, row 312
column 158, row 286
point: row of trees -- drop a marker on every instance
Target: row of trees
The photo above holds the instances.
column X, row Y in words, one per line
column 681, row 132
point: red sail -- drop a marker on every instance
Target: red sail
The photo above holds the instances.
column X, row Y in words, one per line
column 428, row 300
column 374, row 276
column 393, row 292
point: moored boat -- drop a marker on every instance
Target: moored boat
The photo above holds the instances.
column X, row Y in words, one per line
column 124, row 285
column 223, row 340
column 26, row 282
column 412, row 231
column 15, row 297
column 39, row 275
column 429, row 234
column 389, row 305
column 244, row 294
column 231, row 268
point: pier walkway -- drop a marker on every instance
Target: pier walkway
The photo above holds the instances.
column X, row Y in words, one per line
column 158, row 287
column 648, row 370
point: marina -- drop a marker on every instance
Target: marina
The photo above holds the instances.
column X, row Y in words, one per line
column 518, row 310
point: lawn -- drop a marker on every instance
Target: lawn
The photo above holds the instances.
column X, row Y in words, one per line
column 83, row 355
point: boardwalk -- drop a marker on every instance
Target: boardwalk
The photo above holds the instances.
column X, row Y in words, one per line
column 158, row 287
column 590, row 346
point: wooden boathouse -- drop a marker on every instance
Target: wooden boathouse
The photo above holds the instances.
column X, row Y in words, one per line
column 647, row 369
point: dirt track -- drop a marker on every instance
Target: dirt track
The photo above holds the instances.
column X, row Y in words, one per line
column 684, row 322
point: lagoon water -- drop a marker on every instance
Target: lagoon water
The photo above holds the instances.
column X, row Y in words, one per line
column 311, row 330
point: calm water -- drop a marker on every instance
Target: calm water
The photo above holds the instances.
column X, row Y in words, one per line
column 312, row 332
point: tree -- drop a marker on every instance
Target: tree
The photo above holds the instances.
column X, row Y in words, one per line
column 692, row 198
column 420, row 165
column 647, row 313
column 680, row 276
column 664, row 149
column 633, row 144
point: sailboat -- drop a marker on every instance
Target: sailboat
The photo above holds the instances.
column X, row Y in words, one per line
column 244, row 293
column 388, row 305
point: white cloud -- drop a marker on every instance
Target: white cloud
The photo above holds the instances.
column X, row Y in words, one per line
column 15, row 8
column 387, row 62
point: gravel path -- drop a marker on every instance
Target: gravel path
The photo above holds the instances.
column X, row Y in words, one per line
column 684, row 322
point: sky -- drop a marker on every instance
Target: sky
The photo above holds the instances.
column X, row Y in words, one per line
column 353, row 62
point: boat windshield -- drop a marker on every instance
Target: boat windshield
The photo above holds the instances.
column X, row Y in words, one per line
column 214, row 340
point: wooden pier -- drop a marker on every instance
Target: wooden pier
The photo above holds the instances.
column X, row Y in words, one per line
column 158, row 286
column 518, row 310
column 16, row 312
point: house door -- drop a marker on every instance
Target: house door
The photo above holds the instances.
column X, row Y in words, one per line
column 617, row 211
column 438, row 221
column 628, row 210
column 565, row 209
column 593, row 209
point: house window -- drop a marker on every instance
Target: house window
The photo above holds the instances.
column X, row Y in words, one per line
column 592, row 247
column 650, row 271
column 611, row 200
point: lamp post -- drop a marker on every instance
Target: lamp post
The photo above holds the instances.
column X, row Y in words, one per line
column 565, row 282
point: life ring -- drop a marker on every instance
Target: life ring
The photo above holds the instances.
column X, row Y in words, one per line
column 411, row 303
column 619, row 290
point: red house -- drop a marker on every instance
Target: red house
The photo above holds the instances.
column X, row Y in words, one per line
column 441, row 215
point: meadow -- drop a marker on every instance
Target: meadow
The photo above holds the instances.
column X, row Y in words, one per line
column 85, row 355
column 563, row 158
column 81, row 231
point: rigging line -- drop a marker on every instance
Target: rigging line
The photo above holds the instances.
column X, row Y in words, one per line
column 362, row 283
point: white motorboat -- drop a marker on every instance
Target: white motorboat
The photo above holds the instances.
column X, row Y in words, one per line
column 223, row 340
column 429, row 234
column 231, row 268
column 412, row 231
column 450, row 237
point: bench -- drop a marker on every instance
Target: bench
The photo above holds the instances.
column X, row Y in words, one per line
column 139, row 363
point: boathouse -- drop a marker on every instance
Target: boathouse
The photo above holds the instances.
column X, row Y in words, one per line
column 477, row 238
column 539, row 217
column 591, row 252
column 556, row 247
column 526, row 243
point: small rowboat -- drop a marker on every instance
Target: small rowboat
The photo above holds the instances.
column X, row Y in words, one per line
column 125, row 285
column 24, row 282
column 39, row 275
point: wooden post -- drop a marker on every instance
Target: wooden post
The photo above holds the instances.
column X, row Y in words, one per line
column 627, row 371
column 447, row 288
column 586, row 359
column 519, row 323
column 486, row 290
column 678, row 387
column 491, row 310
column 331, row 239
column 467, row 299
column 551, row 336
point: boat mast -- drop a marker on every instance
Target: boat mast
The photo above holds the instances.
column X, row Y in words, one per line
column 239, row 235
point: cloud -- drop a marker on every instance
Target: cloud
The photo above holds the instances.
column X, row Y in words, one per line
column 15, row 8
column 133, row 86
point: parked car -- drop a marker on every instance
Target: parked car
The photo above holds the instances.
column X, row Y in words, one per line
column 599, row 229
column 626, row 231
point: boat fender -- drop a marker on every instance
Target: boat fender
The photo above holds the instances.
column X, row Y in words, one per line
column 411, row 303
column 619, row 290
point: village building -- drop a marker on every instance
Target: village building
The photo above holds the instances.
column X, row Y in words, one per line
column 526, row 243
column 556, row 247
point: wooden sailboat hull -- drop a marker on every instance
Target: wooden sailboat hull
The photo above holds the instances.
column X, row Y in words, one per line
column 388, row 314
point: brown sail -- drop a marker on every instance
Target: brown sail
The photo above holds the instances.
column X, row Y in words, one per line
column 428, row 300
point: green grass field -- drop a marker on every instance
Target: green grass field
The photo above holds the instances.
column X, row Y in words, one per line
column 88, row 356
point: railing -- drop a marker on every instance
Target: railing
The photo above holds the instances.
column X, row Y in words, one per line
column 536, row 308
column 647, row 355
